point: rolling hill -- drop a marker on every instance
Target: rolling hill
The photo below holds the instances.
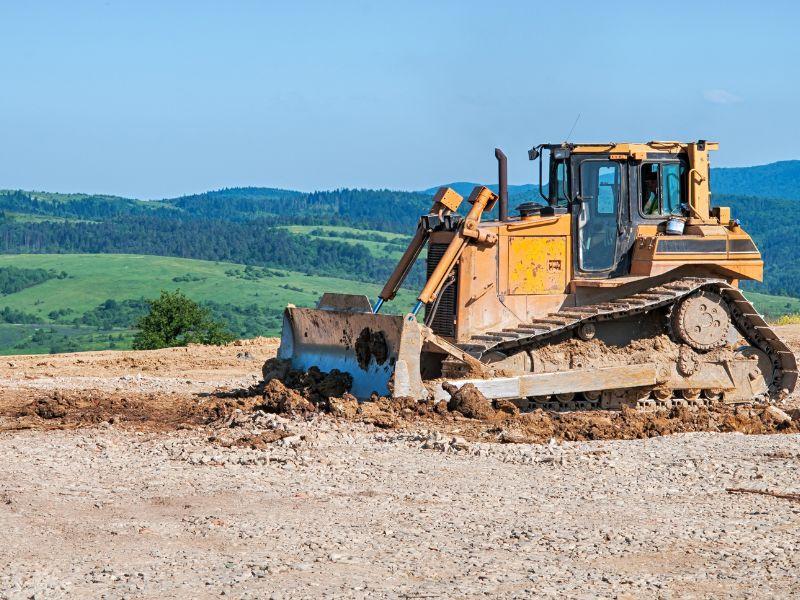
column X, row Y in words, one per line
column 273, row 238
column 95, row 299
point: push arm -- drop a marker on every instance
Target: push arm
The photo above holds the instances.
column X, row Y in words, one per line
column 482, row 198
column 445, row 200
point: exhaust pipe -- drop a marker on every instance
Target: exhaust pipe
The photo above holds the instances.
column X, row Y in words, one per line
column 502, row 183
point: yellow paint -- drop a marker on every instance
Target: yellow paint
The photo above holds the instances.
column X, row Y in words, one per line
column 539, row 226
column 648, row 262
column 699, row 196
column 638, row 149
column 722, row 214
column 446, row 198
column 537, row 265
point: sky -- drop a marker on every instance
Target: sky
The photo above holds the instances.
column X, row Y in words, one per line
column 155, row 99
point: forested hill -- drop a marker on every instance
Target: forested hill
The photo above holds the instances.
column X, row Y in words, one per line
column 383, row 210
column 775, row 180
column 250, row 225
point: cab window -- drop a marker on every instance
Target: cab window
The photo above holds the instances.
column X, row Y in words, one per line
column 663, row 189
column 558, row 185
column 600, row 185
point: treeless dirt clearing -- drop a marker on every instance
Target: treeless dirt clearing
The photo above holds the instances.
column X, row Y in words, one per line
column 164, row 474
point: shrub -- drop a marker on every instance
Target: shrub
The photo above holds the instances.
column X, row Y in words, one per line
column 175, row 320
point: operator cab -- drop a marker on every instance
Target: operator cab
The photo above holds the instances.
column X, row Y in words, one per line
column 611, row 191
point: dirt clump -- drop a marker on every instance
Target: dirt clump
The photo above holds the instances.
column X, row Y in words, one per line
column 345, row 407
column 275, row 368
column 49, row 408
column 469, row 401
column 379, row 414
column 280, row 399
column 504, row 405
column 317, row 386
column 253, row 441
column 390, row 412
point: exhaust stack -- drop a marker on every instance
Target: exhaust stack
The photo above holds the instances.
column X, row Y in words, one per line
column 502, row 183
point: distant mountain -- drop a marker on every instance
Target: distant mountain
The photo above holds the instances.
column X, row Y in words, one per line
column 251, row 193
column 465, row 188
column 775, row 180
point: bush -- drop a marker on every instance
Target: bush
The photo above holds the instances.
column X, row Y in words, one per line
column 175, row 320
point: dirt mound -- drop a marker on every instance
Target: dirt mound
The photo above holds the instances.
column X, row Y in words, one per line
column 204, row 386
column 540, row 426
column 469, row 401
column 317, row 386
column 49, row 408
column 478, row 418
column 275, row 368
column 346, row 406
column 280, row 399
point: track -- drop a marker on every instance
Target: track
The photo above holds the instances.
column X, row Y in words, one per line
column 749, row 323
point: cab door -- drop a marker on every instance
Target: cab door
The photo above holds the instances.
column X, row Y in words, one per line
column 597, row 219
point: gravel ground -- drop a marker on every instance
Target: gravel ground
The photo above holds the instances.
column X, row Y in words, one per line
column 339, row 509
column 162, row 504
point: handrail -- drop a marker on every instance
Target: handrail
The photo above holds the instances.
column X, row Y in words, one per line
column 690, row 203
column 531, row 222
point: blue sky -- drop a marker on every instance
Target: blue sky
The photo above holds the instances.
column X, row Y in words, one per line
column 156, row 99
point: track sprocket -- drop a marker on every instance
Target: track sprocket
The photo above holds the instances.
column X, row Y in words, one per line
column 702, row 321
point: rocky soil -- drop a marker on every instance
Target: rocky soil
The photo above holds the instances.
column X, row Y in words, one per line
column 168, row 474
column 336, row 509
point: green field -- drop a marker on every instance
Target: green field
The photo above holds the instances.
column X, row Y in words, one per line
column 339, row 229
column 350, row 235
column 53, row 338
column 773, row 307
column 94, row 278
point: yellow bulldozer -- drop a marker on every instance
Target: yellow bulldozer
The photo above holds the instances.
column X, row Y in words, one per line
column 617, row 287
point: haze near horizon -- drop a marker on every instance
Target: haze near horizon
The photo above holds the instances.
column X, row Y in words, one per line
column 154, row 100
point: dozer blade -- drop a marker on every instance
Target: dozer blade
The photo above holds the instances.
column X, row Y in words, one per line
column 381, row 352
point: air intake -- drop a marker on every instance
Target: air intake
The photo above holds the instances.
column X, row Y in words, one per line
column 444, row 321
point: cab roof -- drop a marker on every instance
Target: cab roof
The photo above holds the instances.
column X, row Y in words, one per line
column 632, row 147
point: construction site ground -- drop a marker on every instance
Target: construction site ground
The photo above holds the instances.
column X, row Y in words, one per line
column 174, row 474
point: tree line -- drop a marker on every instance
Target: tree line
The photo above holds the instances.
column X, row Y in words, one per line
column 252, row 243
column 242, row 225
column 15, row 279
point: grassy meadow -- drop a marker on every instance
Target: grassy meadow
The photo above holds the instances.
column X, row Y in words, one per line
column 94, row 278
column 350, row 235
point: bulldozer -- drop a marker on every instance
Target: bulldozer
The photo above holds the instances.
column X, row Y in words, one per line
column 617, row 286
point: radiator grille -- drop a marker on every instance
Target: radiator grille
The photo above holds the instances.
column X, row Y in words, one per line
column 444, row 322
